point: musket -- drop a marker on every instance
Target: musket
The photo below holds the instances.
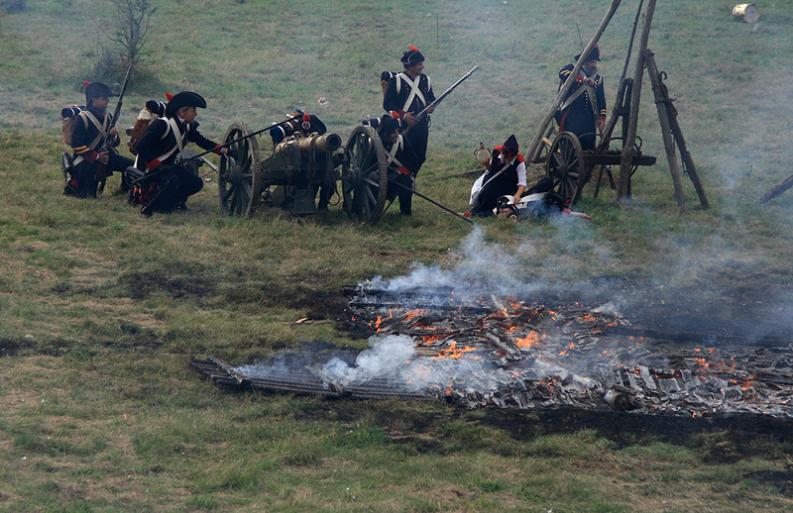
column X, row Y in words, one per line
column 235, row 141
column 425, row 197
column 105, row 146
column 163, row 168
column 425, row 112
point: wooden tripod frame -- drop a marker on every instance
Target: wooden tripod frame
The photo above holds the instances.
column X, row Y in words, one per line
column 628, row 111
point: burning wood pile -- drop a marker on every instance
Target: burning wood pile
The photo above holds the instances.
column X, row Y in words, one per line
column 511, row 353
column 525, row 354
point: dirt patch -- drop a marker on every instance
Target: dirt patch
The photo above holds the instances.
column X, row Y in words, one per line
column 177, row 279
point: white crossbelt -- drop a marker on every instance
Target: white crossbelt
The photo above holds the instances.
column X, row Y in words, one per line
column 415, row 92
column 171, row 125
column 101, row 128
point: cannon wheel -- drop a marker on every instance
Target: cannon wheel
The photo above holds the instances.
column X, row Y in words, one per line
column 238, row 178
column 364, row 176
column 565, row 166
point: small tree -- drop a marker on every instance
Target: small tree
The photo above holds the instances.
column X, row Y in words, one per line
column 130, row 27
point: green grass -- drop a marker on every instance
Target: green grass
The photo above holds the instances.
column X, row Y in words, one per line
column 101, row 311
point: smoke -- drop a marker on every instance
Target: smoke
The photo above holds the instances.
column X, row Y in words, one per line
column 384, row 359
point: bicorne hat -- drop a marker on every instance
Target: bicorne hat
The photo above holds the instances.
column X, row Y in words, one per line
column 96, row 90
column 184, row 99
column 511, row 144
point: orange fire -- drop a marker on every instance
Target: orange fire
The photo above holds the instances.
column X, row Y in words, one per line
column 702, row 363
column 453, row 352
column 529, row 341
column 431, row 339
column 377, row 323
column 412, row 314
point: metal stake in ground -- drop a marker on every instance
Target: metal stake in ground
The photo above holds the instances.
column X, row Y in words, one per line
column 422, row 196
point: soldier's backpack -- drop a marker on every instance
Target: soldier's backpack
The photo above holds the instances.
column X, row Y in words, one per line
column 154, row 109
column 68, row 115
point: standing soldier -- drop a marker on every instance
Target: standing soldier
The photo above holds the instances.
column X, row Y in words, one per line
column 160, row 148
column 89, row 131
column 583, row 111
column 402, row 160
column 408, row 93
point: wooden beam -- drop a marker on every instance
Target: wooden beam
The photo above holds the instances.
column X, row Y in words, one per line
column 688, row 161
column 666, row 127
column 534, row 147
column 777, row 190
column 629, row 144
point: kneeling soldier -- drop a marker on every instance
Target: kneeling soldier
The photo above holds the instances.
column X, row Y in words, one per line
column 160, row 148
column 89, row 132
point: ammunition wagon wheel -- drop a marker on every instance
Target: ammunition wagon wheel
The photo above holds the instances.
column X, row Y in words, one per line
column 364, row 176
column 565, row 166
column 238, row 176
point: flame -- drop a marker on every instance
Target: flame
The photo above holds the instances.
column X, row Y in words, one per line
column 702, row 363
column 412, row 314
column 431, row 339
column 377, row 323
column 453, row 352
column 529, row 341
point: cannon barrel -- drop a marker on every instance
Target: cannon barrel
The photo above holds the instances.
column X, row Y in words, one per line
column 326, row 142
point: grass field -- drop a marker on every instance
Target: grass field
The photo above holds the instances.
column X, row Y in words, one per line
column 101, row 311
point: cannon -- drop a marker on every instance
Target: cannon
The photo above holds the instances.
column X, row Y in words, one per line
column 302, row 171
column 299, row 174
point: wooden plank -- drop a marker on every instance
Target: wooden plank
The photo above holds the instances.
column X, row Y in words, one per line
column 629, row 144
column 662, row 106
column 777, row 190
column 688, row 161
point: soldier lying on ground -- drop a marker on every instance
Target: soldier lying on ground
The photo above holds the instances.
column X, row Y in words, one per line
column 506, row 175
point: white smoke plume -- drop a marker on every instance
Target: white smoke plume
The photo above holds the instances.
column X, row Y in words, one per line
column 385, row 358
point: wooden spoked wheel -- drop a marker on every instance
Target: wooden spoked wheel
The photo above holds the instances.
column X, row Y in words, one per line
column 238, row 175
column 565, row 166
column 364, row 176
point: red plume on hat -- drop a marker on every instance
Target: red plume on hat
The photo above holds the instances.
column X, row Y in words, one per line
column 412, row 48
column 86, row 83
column 169, row 96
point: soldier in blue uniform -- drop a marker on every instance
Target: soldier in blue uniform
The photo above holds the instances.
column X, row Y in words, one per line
column 407, row 93
column 403, row 161
column 301, row 123
column 583, row 110
column 90, row 129
column 162, row 145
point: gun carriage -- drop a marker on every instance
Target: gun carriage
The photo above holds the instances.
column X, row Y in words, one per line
column 301, row 173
